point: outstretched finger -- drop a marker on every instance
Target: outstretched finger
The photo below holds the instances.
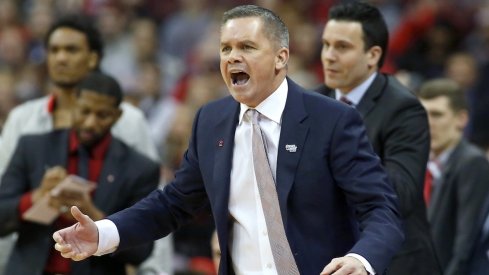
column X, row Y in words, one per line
column 57, row 237
column 79, row 216
column 332, row 267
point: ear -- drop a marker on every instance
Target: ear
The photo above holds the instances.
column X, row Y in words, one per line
column 281, row 58
column 373, row 55
column 462, row 119
column 93, row 60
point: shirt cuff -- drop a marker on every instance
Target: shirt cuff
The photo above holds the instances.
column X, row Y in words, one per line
column 108, row 237
column 364, row 261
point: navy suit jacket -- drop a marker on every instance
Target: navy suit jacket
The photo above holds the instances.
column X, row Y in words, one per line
column 333, row 193
column 126, row 177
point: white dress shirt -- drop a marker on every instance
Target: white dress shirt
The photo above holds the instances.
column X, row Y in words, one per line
column 250, row 234
column 249, row 231
column 355, row 95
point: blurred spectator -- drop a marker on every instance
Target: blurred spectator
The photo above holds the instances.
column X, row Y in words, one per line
column 462, row 68
column 12, row 48
column 118, row 58
column 40, row 17
column 457, row 178
column 8, row 99
column 479, row 128
column 43, row 161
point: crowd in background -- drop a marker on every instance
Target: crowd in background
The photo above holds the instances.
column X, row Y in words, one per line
column 166, row 56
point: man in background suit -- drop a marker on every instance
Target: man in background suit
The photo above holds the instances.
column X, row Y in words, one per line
column 354, row 48
column 460, row 175
column 336, row 207
column 123, row 176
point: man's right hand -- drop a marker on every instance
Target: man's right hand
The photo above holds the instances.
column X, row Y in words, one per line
column 51, row 178
column 78, row 241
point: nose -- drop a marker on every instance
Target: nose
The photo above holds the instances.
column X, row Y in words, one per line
column 61, row 56
column 90, row 121
column 327, row 54
column 235, row 56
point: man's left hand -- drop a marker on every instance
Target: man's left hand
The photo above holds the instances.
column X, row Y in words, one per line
column 344, row 266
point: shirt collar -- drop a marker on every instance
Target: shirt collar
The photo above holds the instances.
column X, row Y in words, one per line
column 442, row 159
column 272, row 107
column 51, row 103
column 97, row 151
column 357, row 93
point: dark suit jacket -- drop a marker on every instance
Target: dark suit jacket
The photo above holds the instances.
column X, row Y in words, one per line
column 397, row 128
column 478, row 260
column 126, row 177
column 456, row 204
column 333, row 193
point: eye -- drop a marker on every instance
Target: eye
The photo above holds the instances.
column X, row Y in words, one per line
column 225, row 49
column 72, row 49
column 83, row 111
column 342, row 46
column 103, row 115
column 247, row 47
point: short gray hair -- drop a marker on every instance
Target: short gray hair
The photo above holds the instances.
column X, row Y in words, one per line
column 274, row 26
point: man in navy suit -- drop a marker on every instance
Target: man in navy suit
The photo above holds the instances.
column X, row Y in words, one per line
column 338, row 210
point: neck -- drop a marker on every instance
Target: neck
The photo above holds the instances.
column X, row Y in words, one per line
column 349, row 89
column 65, row 97
column 449, row 146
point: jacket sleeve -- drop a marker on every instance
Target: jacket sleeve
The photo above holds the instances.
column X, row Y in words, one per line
column 10, row 136
column 406, row 144
column 472, row 189
column 358, row 172
column 163, row 211
column 141, row 186
column 14, row 184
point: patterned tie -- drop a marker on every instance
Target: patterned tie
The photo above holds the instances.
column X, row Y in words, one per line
column 282, row 255
column 428, row 186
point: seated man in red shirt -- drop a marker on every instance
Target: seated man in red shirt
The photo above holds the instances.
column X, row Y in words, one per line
column 122, row 176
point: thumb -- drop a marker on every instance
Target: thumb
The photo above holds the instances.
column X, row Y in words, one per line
column 79, row 216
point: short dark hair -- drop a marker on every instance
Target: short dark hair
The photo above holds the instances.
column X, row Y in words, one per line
column 83, row 24
column 102, row 84
column 274, row 26
column 444, row 87
column 375, row 32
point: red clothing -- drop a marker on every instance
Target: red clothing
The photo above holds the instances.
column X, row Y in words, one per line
column 428, row 186
column 56, row 263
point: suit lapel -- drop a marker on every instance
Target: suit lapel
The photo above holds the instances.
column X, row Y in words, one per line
column 292, row 135
column 442, row 185
column 367, row 103
column 223, row 136
column 109, row 181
